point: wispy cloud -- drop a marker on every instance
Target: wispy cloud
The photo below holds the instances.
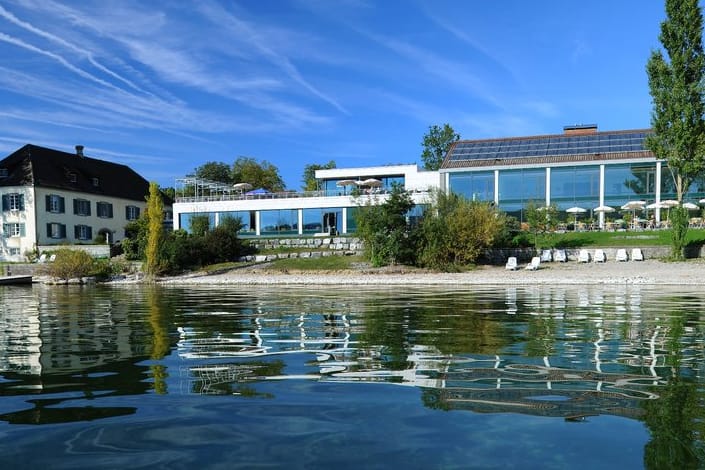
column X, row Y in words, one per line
column 246, row 33
column 60, row 41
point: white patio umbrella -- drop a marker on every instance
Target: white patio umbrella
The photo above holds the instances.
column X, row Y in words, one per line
column 668, row 203
column 604, row 209
column 242, row 187
column 576, row 210
column 634, row 205
column 371, row 182
column 344, row 183
column 690, row 206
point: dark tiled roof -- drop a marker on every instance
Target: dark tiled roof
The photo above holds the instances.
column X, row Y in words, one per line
column 48, row 168
column 548, row 149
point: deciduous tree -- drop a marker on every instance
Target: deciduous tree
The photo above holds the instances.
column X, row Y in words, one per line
column 676, row 87
column 309, row 178
column 436, row 144
column 259, row 174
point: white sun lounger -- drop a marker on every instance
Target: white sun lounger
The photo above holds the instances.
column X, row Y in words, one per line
column 621, row 255
column 637, row 255
column 583, row 256
column 546, row 256
column 560, row 256
column 600, row 256
column 511, row 263
column 534, row 265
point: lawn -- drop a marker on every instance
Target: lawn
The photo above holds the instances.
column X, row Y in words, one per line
column 617, row 239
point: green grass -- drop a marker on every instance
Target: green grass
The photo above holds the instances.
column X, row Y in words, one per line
column 326, row 263
column 618, row 239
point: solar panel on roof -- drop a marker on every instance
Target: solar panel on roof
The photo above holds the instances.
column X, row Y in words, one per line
column 550, row 146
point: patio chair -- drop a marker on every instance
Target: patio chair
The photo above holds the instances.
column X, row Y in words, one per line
column 546, row 256
column 621, row 255
column 583, row 256
column 637, row 255
column 511, row 263
column 600, row 256
column 534, row 265
column 560, row 256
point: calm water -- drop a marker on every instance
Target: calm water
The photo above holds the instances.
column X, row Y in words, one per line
column 261, row 377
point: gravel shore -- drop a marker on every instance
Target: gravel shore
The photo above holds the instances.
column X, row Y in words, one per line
column 570, row 273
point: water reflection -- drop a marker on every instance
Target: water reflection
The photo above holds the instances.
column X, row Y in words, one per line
column 69, row 353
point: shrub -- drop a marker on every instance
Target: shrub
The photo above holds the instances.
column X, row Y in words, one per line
column 70, row 264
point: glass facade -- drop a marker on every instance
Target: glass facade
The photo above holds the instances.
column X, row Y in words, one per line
column 627, row 182
column 518, row 187
column 279, row 222
column 475, row 186
column 575, row 186
column 247, row 219
column 185, row 219
column 331, row 187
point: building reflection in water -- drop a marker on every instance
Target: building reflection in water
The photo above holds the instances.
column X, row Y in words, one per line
column 592, row 351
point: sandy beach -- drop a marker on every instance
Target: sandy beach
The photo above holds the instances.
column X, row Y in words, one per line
column 570, row 273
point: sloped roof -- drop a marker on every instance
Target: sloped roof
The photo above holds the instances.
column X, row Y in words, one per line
column 47, row 168
column 547, row 149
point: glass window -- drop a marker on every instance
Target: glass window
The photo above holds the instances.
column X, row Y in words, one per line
column 13, row 230
column 56, row 231
column 13, row 202
column 284, row 221
column 82, row 207
column 474, row 186
column 83, row 232
column 55, row 204
column 132, row 212
column 522, row 186
column 247, row 219
column 575, row 186
column 104, row 210
column 625, row 182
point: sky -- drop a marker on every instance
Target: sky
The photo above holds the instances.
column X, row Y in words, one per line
column 164, row 86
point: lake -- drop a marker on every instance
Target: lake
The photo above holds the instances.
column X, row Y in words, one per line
column 406, row 377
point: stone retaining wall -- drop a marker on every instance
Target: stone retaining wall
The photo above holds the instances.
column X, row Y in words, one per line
column 339, row 245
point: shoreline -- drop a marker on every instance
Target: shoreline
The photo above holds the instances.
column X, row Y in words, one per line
column 647, row 272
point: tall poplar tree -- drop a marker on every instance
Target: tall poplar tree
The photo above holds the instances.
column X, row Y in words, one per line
column 155, row 230
column 676, row 87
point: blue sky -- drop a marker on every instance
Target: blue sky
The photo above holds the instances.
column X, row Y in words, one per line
column 166, row 86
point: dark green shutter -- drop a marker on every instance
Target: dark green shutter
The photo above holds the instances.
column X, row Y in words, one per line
column 62, row 205
column 22, row 232
column 5, row 202
column 47, row 199
column 21, row 202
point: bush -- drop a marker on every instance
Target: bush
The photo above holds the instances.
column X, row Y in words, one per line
column 70, row 264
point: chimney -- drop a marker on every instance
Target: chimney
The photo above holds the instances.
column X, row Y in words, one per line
column 79, row 151
column 580, row 129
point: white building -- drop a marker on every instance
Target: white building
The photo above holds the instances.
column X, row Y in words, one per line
column 331, row 209
column 51, row 197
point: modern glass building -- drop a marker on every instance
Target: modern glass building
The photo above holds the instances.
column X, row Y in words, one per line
column 329, row 210
column 582, row 167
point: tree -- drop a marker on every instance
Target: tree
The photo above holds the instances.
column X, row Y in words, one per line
column 309, row 178
column 215, row 171
column 155, row 234
column 259, row 174
column 436, row 144
column 676, row 87
column 541, row 220
column 455, row 231
column 384, row 229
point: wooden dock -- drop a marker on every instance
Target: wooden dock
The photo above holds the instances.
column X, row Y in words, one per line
column 15, row 280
